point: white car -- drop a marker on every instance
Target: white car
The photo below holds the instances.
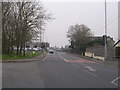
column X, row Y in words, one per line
column 35, row 49
column 29, row 48
column 51, row 51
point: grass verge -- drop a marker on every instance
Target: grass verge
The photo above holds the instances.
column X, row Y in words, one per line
column 0, row 56
column 28, row 54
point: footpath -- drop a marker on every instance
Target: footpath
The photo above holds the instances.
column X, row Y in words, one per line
column 37, row 58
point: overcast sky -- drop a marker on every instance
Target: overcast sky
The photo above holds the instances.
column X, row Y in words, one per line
column 71, row 13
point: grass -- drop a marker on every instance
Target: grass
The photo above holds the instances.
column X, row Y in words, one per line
column 0, row 56
column 28, row 54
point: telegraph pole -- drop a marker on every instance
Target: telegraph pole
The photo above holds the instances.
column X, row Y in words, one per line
column 105, row 48
column 40, row 37
column 118, row 36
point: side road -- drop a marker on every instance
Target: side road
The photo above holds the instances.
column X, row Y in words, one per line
column 111, row 63
column 38, row 58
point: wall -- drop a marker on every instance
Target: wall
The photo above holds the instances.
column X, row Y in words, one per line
column 99, row 51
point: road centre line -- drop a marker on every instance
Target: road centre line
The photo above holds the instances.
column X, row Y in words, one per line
column 63, row 58
column 90, row 73
column 91, row 69
column 83, row 70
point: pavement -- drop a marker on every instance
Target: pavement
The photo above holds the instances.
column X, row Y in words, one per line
column 59, row 70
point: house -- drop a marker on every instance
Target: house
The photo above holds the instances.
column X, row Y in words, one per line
column 99, row 41
column 97, row 47
column 117, row 49
column 117, row 44
column 110, row 41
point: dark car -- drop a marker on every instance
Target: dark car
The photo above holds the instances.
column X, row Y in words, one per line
column 51, row 51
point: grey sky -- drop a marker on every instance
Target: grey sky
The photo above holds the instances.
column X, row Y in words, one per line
column 71, row 13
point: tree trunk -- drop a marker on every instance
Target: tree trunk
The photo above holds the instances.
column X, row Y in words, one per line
column 17, row 50
column 21, row 50
column 24, row 51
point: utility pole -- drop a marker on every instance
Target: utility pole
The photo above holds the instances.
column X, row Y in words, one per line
column 45, row 42
column 40, row 37
column 105, row 48
column 118, row 20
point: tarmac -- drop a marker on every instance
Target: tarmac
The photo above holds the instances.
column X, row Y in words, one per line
column 40, row 57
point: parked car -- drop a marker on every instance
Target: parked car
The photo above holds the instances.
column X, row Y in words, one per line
column 35, row 49
column 29, row 48
column 39, row 49
column 26, row 48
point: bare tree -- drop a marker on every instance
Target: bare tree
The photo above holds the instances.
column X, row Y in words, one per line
column 21, row 22
column 6, row 27
column 79, row 36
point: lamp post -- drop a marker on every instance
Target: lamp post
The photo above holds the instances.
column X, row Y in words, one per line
column 105, row 48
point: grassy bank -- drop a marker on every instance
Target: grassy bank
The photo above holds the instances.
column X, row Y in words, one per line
column 28, row 54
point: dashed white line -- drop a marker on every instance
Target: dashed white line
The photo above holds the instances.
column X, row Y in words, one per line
column 91, row 69
column 90, row 73
column 63, row 58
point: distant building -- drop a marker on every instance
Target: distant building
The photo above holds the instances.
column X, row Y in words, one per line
column 66, row 46
column 110, row 41
column 97, row 47
column 99, row 40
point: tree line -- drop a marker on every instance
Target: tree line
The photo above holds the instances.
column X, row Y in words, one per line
column 21, row 21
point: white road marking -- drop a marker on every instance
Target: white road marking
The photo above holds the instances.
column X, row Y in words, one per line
column 113, row 82
column 91, row 69
column 90, row 73
column 43, row 58
column 63, row 58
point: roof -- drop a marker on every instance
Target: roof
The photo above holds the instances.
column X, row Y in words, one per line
column 117, row 43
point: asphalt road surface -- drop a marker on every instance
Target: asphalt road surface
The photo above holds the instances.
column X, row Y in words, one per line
column 59, row 70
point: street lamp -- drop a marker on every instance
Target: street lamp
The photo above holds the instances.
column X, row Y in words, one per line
column 105, row 48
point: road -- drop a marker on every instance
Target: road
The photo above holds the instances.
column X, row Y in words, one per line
column 59, row 70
